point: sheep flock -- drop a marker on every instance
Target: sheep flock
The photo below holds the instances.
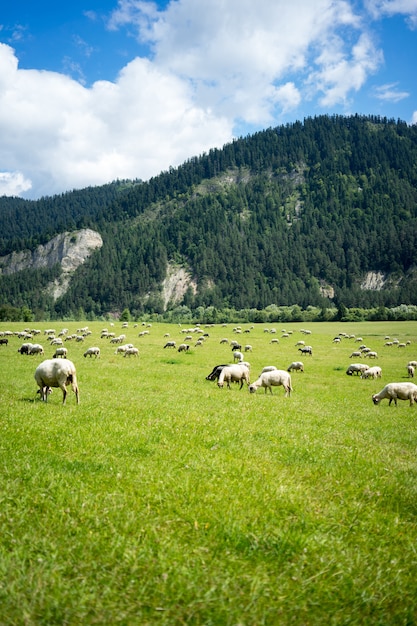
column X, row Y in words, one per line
column 231, row 371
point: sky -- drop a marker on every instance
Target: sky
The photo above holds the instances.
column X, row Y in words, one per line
column 93, row 91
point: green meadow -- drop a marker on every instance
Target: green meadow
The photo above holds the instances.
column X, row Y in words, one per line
column 163, row 499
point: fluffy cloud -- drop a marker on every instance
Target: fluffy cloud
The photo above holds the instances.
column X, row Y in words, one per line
column 61, row 135
column 212, row 67
column 241, row 57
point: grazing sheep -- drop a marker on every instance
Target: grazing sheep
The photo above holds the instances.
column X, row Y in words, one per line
column 356, row 368
column 4, row 341
column 306, row 350
column 183, row 347
column 56, row 373
column 131, row 352
column 413, row 363
column 371, row 355
column 25, row 348
column 410, row 370
column 357, row 353
column 234, row 374
column 235, row 345
column 274, row 378
column 248, row 348
column 60, row 352
column 372, row 372
column 297, row 366
column 394, row 391
column 36, row 348
column 170, row 344
column 237, row 356
column 215, row 372
column 122, row 349
column 268, row 368
column 94, row 351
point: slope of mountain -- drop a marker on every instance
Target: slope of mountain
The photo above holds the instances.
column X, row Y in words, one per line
column 299, row 214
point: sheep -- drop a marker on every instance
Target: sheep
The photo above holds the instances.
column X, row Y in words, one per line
column 170, row 344
column 237, row 356
column 234, row 373
column 372, row 372
column 122, row 349
column 394, row 391
column 412, row 363
column 410, row 370
column 36, row 348
column 25, row 348
column 371, row 355
column 306, row 350
column 268, row 368
column 4, row 341
column 215, row 372
column 131, row 352
column 271, row 379
column 56, row 342
column 248, row 347
column 297, row 366
column 60, row 352
column 356, row 368
column 94, row 351
column 183, row 347
column 357, row 353
column 56, row 373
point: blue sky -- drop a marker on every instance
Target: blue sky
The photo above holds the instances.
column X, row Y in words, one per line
column 97, row 90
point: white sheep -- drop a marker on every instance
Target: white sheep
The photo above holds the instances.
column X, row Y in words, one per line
column 410, row 370
column 94, row 351
column 356, row 368
column 183, row 347
column 131, row 352
column 274, row 378
column 122, row 349
column 238, row 356
column 413, row 363
column 372, row 372
column 394, row 391
column 268, row 368
column 297, row 366
column 56, row 373
column 36, row 348
column 60, row 352
column 235, row 373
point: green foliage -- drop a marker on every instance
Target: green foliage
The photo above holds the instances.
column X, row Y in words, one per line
column 267, row 219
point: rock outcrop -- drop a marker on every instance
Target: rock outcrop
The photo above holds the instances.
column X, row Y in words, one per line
column 69, row 250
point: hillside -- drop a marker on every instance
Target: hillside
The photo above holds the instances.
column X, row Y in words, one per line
column 307, row 213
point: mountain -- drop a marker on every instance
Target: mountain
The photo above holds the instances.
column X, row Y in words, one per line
column 308, row 213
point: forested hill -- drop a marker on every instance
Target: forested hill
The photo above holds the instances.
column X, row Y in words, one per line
column 292, row 215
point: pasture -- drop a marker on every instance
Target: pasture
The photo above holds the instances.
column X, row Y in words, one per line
column 162, row 499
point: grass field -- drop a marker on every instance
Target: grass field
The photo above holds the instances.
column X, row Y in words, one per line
column 162, row 499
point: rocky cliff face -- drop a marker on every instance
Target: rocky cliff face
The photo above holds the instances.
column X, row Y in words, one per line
column 70, row 250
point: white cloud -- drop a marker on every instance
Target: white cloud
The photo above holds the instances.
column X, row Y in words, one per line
column 339, row 74
column 414, row 118
column 62, row 135
column 213, row 65
column 240, row 56
column 382, row 8
column 13, row 184
column 390, row 92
